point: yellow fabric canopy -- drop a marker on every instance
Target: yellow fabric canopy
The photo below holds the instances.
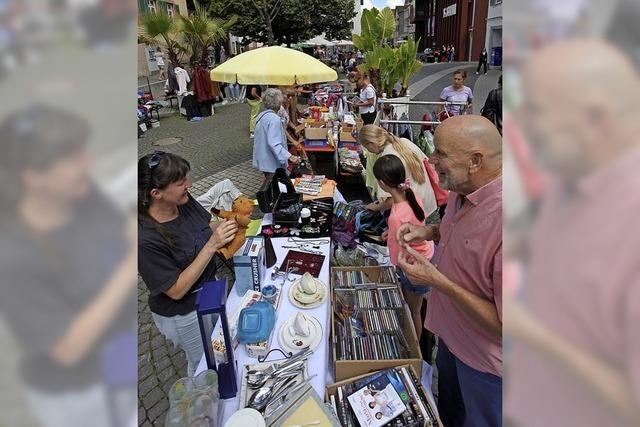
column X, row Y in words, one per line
column 273, row 65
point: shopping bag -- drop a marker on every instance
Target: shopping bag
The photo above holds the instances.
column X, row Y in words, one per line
column 425, row 142
column 441, row 195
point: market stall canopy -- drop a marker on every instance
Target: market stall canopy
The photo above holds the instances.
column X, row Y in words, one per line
column 273, row 65
column 343, row 42
column 319, row 41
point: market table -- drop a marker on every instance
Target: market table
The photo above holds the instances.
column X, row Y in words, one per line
column 318, row 362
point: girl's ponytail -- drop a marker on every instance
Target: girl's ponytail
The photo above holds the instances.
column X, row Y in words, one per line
column 415, row 206
column 390, row 170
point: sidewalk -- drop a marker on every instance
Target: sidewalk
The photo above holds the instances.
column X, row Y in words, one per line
column 485, row 84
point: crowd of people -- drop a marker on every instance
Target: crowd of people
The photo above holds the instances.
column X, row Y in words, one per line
column 455, row 264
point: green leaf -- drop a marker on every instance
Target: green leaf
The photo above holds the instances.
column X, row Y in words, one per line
column 369, row 25
column 358, row 42
column 386, row 23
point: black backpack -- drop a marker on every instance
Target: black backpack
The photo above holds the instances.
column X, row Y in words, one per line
column 492, row 109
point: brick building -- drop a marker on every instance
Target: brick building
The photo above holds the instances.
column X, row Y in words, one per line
column 461, row 23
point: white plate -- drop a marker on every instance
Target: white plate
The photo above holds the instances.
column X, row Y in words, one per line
column 317, row 299
column 313, row 340
column 246, row 417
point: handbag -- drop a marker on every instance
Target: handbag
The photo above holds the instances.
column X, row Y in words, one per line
column 441, row 195
column 270, row 191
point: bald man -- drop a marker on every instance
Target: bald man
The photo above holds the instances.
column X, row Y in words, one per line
column 575, row 359
column 465, row 305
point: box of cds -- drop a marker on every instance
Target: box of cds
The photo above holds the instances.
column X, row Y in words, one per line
column 371, row 325
column 393, row 397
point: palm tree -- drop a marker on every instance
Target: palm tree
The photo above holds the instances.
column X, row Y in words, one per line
column 202, row 32
column 160, row 28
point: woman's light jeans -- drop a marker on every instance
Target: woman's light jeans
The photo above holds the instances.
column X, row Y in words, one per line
column 184, row 332
column 235, row 90
column 89, row 407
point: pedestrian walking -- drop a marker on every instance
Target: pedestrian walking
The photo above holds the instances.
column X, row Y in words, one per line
column 452, row 54
column 457, row 92
column 160, row 61
column 482, row 61
column 223, row 54
column 254, row 99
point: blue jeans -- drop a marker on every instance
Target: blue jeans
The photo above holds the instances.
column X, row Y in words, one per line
column 235, row 90
column 466, row 397
column 407, row 285
column 184, row 332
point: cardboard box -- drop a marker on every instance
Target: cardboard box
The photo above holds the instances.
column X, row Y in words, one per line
column 344, row 369
column 217, row 343
column 249, row 265
column 315, row 133
column 331, row 390
column 347, row 137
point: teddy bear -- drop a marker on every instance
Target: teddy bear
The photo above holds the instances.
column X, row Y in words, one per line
column 241, row 214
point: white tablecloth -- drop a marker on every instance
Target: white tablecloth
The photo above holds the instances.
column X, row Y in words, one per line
column 319, row 360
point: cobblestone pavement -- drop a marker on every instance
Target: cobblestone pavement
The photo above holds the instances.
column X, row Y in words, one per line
column 219, row 148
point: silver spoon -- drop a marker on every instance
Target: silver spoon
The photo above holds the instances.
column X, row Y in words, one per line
column 258, row 380
column 287, row 374
column 260, row 398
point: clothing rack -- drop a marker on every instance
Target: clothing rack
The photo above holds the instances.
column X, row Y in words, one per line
column 393, row 102
column 415, row 122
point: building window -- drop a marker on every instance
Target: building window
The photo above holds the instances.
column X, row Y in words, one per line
column 153, row 6
column 170, row 11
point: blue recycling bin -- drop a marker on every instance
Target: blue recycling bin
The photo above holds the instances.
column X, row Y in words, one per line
column 496, row 56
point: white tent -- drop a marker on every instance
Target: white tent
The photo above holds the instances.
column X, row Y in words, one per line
column 319, row 41
column 343, row 42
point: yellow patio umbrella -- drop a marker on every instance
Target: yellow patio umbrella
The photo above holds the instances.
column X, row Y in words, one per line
column 273, row 65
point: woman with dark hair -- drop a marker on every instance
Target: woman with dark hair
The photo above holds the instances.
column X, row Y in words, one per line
column 407, row 208
column 368, row 98
column 457, row 92
column 68, row 270
column 176, row 245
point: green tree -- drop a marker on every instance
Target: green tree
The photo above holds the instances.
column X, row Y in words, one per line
column 159, row 28
column 291, row 21
column 200, row 32
column 385, row 65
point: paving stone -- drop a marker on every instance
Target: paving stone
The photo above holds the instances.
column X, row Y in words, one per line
column 142, row 415
column 158, row 412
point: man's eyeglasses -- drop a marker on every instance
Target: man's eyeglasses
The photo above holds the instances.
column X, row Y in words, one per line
column 154, row 160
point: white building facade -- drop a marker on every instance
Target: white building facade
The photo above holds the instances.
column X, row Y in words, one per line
column 493, row 36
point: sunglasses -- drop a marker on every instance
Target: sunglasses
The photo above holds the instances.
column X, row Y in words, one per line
column 154, row 160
